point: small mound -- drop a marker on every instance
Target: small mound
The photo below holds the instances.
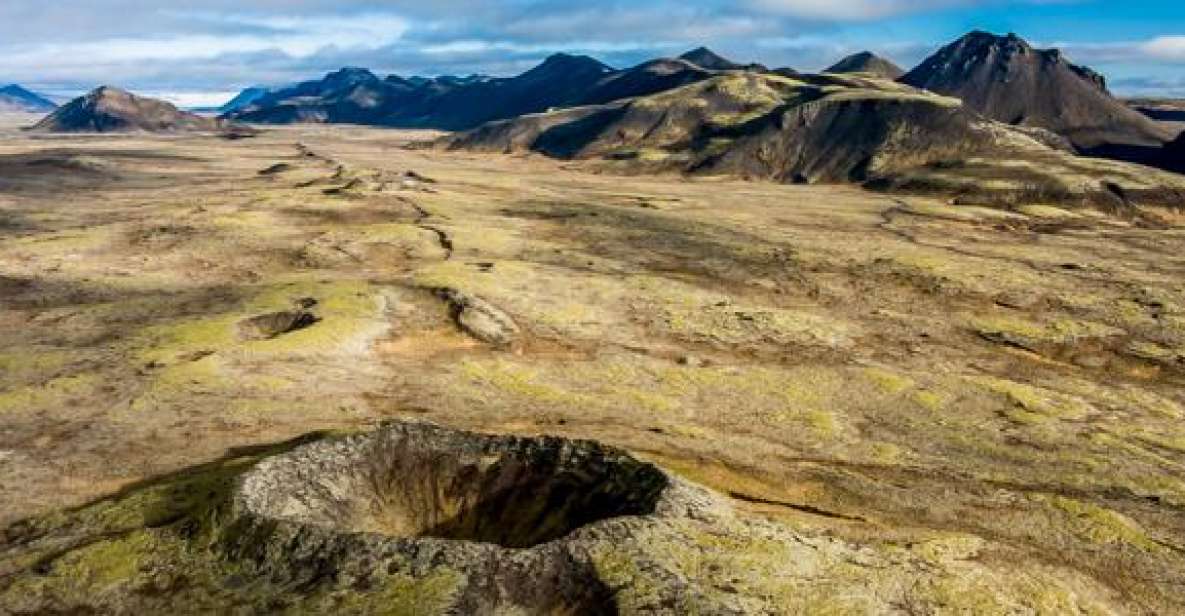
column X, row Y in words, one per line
column 479, row 318
column 423, row 481
column 276, row 169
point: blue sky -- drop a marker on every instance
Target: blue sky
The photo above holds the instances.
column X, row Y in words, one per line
column 200, row 53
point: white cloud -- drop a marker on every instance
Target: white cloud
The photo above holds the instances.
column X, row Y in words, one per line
column 188, row 100
column 850, row 10
column 294, row 37
column 1168, row 48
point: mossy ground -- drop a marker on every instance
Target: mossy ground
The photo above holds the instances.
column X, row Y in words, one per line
column 981, row 406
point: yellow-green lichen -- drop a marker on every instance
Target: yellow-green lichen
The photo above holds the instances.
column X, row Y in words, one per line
column 52, row 392
column 1098, row 524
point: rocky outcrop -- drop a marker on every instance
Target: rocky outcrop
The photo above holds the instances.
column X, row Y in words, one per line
column 274, row 324
column 509, row 520
column 479, row 318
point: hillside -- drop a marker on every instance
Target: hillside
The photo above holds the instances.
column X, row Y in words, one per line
column 828, row 128
column 244, row 99
column 108, row 109
column 1006, row 79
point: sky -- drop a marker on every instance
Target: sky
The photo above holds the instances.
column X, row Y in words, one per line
column 201, row 53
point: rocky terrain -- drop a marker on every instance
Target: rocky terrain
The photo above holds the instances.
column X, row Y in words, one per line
column 867, row 62
column 108, row 109
column 14, row 98
column 322, row 371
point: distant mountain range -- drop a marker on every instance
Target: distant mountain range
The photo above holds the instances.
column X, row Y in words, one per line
column 1001, row 78
column 16, row 98
column 355, row 95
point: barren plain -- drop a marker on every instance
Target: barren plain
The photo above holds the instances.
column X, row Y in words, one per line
column 896, row 405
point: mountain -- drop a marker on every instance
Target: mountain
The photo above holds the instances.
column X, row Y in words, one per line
column 461, row 103
column 16, row 98
column 108, row 109
column 706, row 58
column 786, row 129
column 823, row 128
column 1005, row 78
column 867, row 62
column 244, row 99
column 560, row 80
column 349, row 95
column 646, row 78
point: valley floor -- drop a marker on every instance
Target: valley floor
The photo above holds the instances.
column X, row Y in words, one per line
column 982, row 408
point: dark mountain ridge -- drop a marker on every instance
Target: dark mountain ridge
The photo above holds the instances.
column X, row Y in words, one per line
column 461, row 103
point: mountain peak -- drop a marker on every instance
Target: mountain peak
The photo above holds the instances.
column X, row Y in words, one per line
column 350, row 75
column 564, row 63
column 706, row 58
column 867, row 62
column 567, row 60
column 106, row 91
